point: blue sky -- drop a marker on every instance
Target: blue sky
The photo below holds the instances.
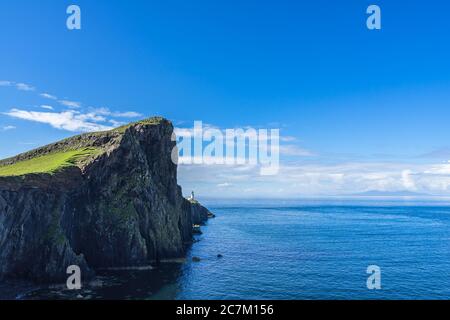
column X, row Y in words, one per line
column 370, row 107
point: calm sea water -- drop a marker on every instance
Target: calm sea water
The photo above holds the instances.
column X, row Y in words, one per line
column 293, row 251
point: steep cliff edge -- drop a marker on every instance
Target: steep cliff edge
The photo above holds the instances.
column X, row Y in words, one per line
column 96, row 200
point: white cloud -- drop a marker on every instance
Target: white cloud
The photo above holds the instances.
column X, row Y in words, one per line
column 248, row 133
column 70, row 104
column 126, row 114
column 293, row 150
column 408, row 180
column 287, row 138
column 24, row 87
column 439, row 169
column 224, row 185
column 7, row 128
column 81, row 119
column 116, row 123
column 91, row 116
column 4, row 83
column 317, row 180
column 67, row 120
column 19, row 85
column 183, row 132
column 48, row 96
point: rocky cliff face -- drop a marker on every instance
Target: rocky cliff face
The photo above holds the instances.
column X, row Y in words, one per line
column 198, row 213
column 119, row 208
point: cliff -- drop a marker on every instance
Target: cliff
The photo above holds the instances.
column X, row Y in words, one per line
column 97, row 200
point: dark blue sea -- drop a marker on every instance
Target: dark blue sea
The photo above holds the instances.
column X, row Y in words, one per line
column 292, row 250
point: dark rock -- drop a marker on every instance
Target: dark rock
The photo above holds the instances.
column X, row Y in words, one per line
column 196, row 229
column 199, row 213
column 122, row 208
column 219, row 256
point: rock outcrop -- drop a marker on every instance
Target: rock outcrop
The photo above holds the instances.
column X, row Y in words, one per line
column 199, row 213
column 121, row 207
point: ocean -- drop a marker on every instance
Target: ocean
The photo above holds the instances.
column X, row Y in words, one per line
column 291, row 250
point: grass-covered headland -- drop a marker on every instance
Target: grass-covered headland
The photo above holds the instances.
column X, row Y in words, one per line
column 73, row 151
column 49, row 163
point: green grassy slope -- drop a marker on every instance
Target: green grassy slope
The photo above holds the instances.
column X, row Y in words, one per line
column 49, row 163
column 68, row 152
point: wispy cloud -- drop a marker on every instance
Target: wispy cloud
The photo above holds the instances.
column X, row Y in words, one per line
column 7, row 128
column 24, row 87
column 48, row 96
column 70, row 104
column 116, row 123
column 290, row 150
column 441, row 153
column 126, row 114
column 67, row 120
column 4, row 83
column 224, row 185
column 296, row 151
column 288, row 138
column 18, row 85
column 312, row 180
column 89, row 117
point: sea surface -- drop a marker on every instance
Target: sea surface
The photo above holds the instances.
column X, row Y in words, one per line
column 291, row 250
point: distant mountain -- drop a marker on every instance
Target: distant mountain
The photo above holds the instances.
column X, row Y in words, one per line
column 404, row 193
